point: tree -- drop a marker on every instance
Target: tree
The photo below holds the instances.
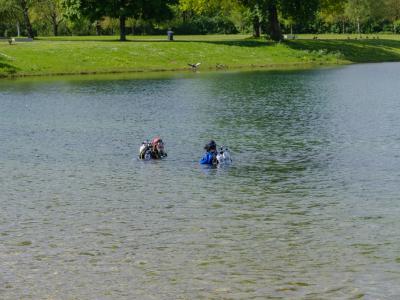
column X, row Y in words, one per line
column 120, row 9
column 296, row 10
column 9, row 13
column 333, row 11
column 257, row 18
column 392, row 12
column 201, row 6
column 264, row 10
column 274, row 26
column 250, row 7
column 358, row 11
column 51, row 11
column 293, row 10
column 16, row 8
column 24, row 6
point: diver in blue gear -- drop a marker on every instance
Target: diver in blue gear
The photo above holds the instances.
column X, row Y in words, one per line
column 210, row 157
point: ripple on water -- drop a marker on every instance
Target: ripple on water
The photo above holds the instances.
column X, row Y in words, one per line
column 307, row 210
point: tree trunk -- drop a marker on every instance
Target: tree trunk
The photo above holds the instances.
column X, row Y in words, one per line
column 25, row 12
column 274, row 27
column 55, row 24
column 256, row 26
column 18, row 30
column 122, row 29
column 55, row 29
column 98, row 28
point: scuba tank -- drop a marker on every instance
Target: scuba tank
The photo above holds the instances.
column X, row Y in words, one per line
column 224, row 156
column 147, row 155
column 145, row 151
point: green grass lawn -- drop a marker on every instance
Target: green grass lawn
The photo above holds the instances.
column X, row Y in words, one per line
column 351, row 36
column 157, row 38
column 82, row 55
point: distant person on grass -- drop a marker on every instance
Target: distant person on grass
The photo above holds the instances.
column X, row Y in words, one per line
column 170, row 34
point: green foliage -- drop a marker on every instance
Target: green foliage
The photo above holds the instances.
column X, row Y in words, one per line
column 81, row 26
column 9, row 15
column 396, row 26
column 123, row 9
column 299, row 11
column 71, row 9
column 94, row 10
column 207, row 6
column 16, row 11
column 199, row 16
column 205, row 24
column 49, row 15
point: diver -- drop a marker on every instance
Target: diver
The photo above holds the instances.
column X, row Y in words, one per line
column 157, row 148
column 210, row 157
column 152, row 150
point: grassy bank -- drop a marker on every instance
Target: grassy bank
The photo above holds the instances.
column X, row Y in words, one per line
column 83, row 55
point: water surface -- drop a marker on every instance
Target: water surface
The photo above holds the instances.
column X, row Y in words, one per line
column 309, row 209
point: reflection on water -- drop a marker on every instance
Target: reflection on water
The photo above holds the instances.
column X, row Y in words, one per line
column 309, row 209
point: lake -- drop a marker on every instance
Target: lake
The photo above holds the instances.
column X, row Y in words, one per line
column 309, row 209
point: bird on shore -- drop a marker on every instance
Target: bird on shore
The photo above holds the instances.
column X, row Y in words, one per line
column 221, row 66
column 194, row 66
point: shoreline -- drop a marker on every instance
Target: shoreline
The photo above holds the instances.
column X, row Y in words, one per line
column 82, row 57
column 238, row 68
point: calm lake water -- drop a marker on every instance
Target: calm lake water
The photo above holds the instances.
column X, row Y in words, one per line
column 310, row 209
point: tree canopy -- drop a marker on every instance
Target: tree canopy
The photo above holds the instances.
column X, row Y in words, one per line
column 120, row 9
column 269, row 17
column 18, row 10
column 270, row 10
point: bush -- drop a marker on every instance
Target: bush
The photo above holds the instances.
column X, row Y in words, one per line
column 206, row 25
column 81, row 26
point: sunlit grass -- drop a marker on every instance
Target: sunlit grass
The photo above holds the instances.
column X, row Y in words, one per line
column 105, row 54
column 209, row 37
column 352, row 36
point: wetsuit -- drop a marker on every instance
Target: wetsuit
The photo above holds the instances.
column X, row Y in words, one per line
column 155, row 154
column 209, row 158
